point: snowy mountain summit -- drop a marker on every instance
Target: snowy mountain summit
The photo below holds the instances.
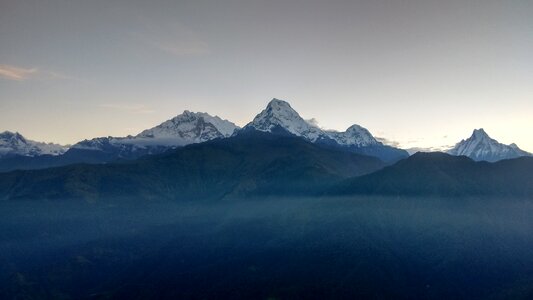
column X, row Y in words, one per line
column 190, row 127
column 14, row 144
column 480, row 146
column 280, row 118
column 355, row 135
column 186, row 128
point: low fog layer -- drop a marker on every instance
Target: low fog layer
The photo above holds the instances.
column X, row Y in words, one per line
column 268, row 247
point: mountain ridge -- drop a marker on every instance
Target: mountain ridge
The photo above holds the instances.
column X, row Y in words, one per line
column 248, row 164
column 186, row 128
column 442, row 174
column 280, row 118
column 13, row 143
column 277, row 118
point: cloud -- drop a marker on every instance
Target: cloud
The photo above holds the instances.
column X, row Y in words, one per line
column 414, row 150
column 181, row 48
column 173, row 38
column 16, row 73
column 388, row 142
column 128, row 108
column 21, row 74
column 313, row 122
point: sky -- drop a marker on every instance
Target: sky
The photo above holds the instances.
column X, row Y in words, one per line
column 418, row 73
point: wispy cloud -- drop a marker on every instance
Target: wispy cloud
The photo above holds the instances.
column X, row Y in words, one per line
column 128, row 108
column 414, row 150
column 388, row 142
column 313, row 121
column 181, row 49
column 174, row 39
column 16, row 73
column 10, row 72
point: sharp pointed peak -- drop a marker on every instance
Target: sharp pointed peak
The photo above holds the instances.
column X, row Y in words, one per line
column 7, row 132
column 12, row 134
column 278, row 103
column 479, row 133
column 277, row 107
column 189, row 113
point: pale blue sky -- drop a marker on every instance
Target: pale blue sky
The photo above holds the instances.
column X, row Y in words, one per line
column 422, row 73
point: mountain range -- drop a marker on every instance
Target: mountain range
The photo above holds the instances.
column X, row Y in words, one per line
column 252, row 163
column 190, row 128
column 184, row 129
column 278, row 118
column 257, row 163
column 195, row 156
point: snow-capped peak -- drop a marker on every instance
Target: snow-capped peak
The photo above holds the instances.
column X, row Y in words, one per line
column 480, row 134
column 186, row 128
column 480, row 146
column 280, row 115
column 191, row 127
column 355, row 135
column 13, row 143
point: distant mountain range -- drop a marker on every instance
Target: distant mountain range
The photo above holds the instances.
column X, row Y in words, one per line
column 278, row 118
column 252, row 163
column 258, row 163
column 184, row 129
column 196, row 156
column 190, row 128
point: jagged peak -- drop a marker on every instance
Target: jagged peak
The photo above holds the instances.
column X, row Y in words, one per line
column 11, row 134
column 281, row 107
column 275, row 102
column 14, row 143
column 279, row 113
column 178, row 123
column 480, row 133
column 480, row 146
column 187, row 114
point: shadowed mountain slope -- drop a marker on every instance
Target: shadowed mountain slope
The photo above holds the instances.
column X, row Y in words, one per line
column 248, row 164
column 445, row 175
